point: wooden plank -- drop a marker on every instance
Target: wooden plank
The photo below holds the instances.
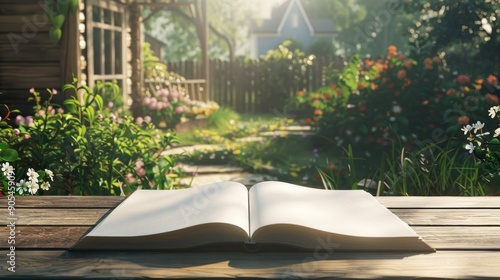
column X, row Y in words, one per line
column 20, row 8
column 54, row 217
column 39, row 38
column 443, row 264
column 440, row 201
column 44, row 237
column 440, row 238
column 33, row 53
column 449, row 217
column 16, row 75
column 460, row 238
column 25, row 25
column 94, row 202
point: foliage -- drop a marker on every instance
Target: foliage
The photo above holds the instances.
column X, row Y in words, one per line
column 413, row 101
column 111, row 95
column 155, row 69
column 167, row 106
column 430, row 171
column 57, row 10
column 90, row 151
column 178, row 24
column 486, row 149
column 465, row 30
column 279, row 68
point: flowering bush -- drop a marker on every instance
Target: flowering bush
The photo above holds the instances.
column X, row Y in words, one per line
column 486, row 148
column 407, row 100
column 167, row 106
column 90, row 151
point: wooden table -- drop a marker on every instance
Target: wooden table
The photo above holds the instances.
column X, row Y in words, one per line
column 464, row 230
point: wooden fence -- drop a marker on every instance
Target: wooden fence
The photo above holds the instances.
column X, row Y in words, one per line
column 254, row 86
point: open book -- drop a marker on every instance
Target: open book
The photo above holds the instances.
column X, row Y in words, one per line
column 268, row 213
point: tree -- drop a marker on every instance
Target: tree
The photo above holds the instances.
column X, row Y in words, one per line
column 465, row 32
column 227, row 22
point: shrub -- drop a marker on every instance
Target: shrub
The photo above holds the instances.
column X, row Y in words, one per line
column 412, row 101
column 90, row 152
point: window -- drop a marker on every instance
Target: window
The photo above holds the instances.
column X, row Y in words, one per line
column 105, row 38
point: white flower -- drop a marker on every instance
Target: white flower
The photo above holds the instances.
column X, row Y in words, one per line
column 397, row 109
column 33, row 187
column 45, row 186
column 483, row 134
column 493, row 111
column 497, row 132
column 21, row 187
column 470, row 147
column 50, row 174
column 7, row 168
column 32, row 175
column 477, row 126
column 466, row 129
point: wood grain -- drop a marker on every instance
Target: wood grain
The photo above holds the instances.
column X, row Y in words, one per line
column 54, row 217
column 441, row 238
column 75, row 202
column 461, row 202
column 449, row 217
column 442, row 264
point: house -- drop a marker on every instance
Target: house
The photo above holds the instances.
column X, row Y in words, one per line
column 98, row 40
column 288, row 21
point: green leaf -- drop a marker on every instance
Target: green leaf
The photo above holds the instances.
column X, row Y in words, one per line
column 9, row 155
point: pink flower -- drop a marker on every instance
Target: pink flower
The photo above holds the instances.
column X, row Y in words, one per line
column 54, row 91
column 463, row 79
column 147, row 119
column 180, row 109
column 139, row 120
column 16, row 131
column 32, row 90
column 26, row 136
column 174, row 93
column 162, row 93
column 29, row 120
column 41, row 113
column 19, row 120
column 110, row 104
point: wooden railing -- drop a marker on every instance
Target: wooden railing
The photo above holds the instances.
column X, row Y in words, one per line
column 195, row 88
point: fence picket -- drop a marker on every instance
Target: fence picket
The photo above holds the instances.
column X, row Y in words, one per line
column 242, row 85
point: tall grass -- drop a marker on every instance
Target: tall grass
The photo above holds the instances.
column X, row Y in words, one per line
column 430, row 171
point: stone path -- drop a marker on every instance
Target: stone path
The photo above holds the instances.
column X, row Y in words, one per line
column 197, row 175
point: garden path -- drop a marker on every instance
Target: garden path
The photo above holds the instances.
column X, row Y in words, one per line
column 202, row 174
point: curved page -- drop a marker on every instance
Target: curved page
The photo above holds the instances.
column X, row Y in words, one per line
column 150, row 212
column 343, row 212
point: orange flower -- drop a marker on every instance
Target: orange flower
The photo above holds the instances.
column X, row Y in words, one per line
column 361, row 86
column 300, row 93
column 425, row 102
column 368, row 62
column 318, row 112
column 491, row 99
column 328, row 96
column 463, row 120
column 308, row 121
column 401, row 74
column 478, row 81
column 409, row 63
column 401, row 57
column 373, row 86
column 436, row 59
column 392, row 49
column 333, row 86
column 492, row 80
column 451, row 92
column 427, row 61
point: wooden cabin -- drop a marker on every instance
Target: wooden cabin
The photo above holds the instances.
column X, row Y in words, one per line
column 101, row 40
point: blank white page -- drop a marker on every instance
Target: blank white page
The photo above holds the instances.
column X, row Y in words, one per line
column 148, row 212
column 347, row 212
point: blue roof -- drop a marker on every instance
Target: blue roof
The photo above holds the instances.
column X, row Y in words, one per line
column 278, row 14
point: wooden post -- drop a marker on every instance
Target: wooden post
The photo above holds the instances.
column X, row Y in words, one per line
column 137, row 59
column 204, row 49
column 70, row 52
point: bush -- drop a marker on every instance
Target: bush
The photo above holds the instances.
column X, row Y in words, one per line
column 411, row 101
column 90, row 152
